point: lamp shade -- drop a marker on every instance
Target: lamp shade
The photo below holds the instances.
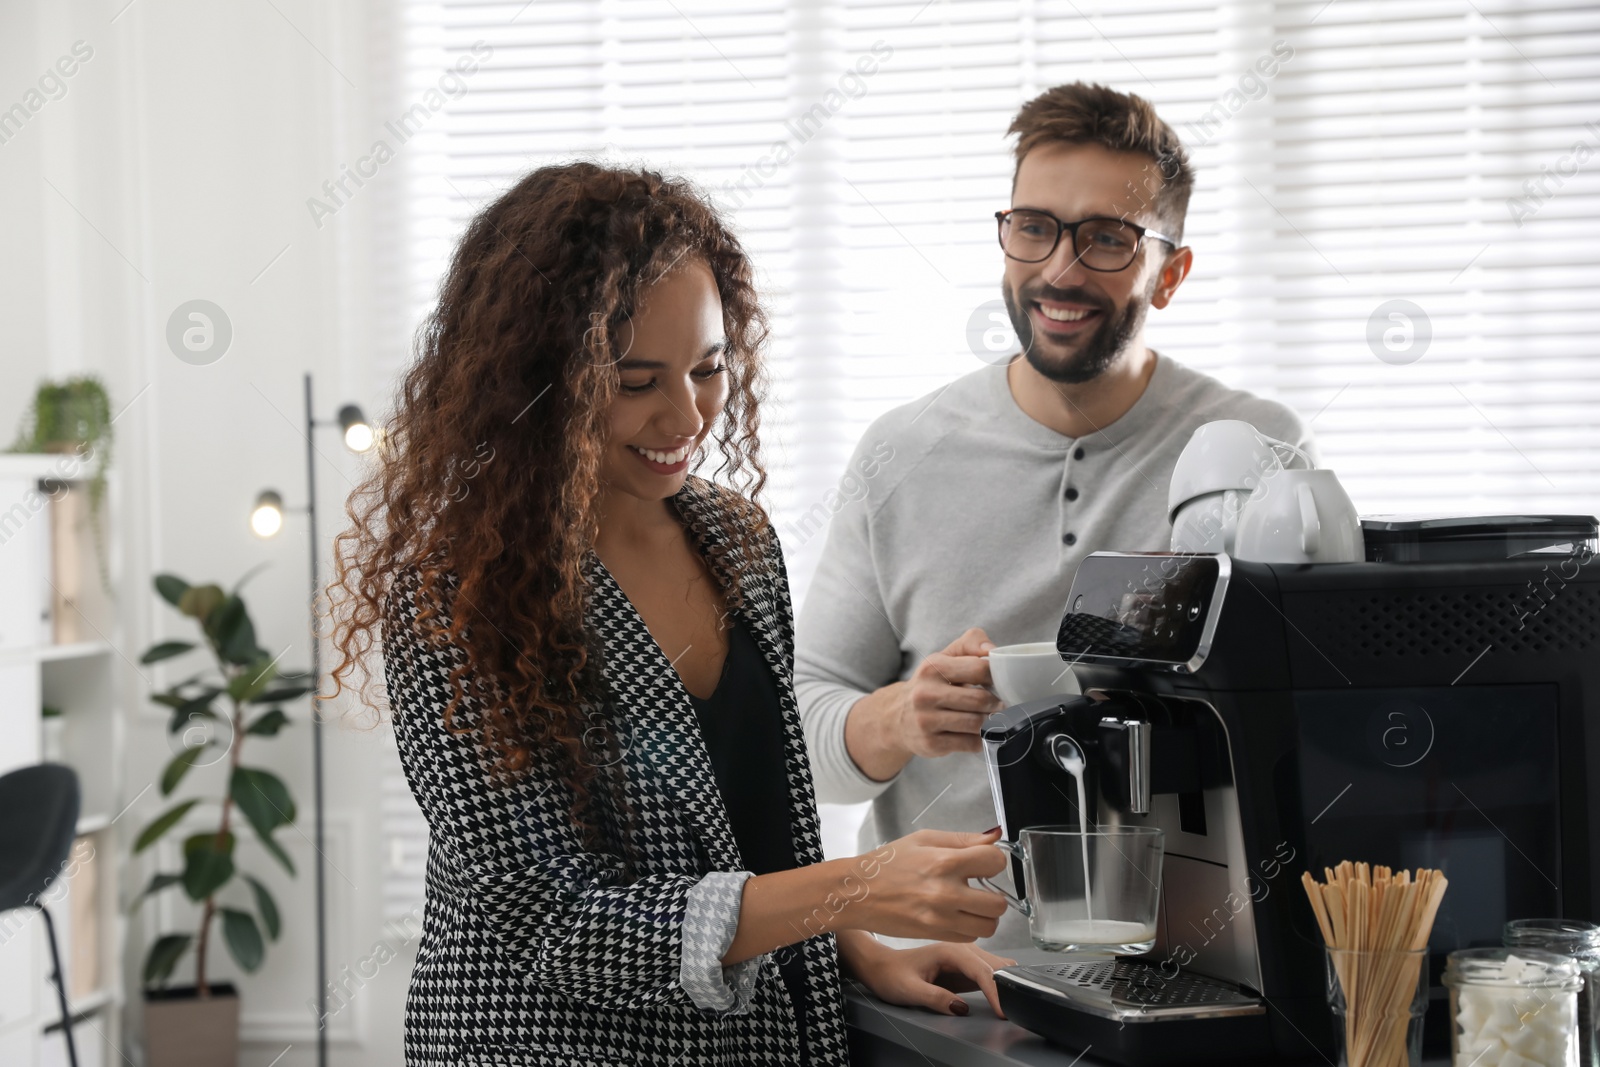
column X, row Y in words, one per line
column 357, row 431
column 266, row 519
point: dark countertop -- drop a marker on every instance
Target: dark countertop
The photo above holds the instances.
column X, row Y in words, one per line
column 884, row 1035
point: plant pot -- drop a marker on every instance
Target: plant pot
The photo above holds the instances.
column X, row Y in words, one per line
column 52, row 738
column 183, row 1030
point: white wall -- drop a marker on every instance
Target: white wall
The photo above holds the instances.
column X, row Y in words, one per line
column 176, row 166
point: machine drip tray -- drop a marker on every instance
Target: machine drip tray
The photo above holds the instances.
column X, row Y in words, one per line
column 1128, row 991
column 1131, row 1012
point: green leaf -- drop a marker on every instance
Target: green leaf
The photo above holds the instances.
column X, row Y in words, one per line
column 181, row 720
column 174, row 697
column 163, row 956
column 152, row 833
column 267, row 907
column 278, row 696
column 226, row 611
column 198, row 705
column 269, row 723
column 230, row 627
column 208, row 864
column 208, row 840
column 203, row 698
column 178, row 768
column 171, row 588
column 263, row 798
column 165, row 650
column 157, row 884
column 200, row 601
column 277, row 853
column 252, row 681
column 244, row 938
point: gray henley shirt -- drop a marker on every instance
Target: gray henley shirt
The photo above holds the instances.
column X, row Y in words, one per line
column 960, row 510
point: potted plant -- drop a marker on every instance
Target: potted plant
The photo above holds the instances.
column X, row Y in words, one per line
column 74, row 416
column 55, row 729
column 199, row 1024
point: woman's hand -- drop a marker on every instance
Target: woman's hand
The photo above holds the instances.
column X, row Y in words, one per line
column 916, row 886
column 923, row 977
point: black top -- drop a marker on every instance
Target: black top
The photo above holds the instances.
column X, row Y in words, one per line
column 742, row 722
column 1470, row 538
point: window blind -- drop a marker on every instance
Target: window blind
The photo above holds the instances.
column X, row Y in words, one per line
column 1396, row 221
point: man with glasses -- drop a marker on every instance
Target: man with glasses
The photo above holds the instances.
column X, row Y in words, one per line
column 1002, row 481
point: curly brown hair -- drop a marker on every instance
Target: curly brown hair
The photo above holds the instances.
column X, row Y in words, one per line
column 518, row 358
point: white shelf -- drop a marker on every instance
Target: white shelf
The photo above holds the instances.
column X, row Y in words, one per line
column 62, row 466
column 33, row 464
column 77, row 650
column 92, row 823
column 100, row 998
column 80, row 678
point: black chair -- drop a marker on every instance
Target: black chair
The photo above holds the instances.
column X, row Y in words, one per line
column 38, row 821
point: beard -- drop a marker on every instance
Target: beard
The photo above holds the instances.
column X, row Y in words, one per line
column 1097, row 352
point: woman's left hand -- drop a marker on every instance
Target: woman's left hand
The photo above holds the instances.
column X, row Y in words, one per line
column 925, row 976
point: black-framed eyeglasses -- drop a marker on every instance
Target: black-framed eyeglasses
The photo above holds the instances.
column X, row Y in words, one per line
column 1099, row 243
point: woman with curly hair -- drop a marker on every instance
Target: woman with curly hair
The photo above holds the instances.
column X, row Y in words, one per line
column 588, row 654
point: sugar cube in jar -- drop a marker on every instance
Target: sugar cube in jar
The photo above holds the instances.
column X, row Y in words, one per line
column 1578, row 940
column 1513, row 1008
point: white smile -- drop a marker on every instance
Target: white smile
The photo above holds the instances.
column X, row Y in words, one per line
column 1064, row 315
column 667, row 458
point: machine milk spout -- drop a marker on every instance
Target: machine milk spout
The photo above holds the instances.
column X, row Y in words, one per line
column 1275, row 718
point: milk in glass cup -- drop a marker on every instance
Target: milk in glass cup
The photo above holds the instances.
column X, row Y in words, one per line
column 1092, row 890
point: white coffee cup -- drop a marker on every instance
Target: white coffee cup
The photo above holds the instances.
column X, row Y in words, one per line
column 1300, row 517
column 1208, row 523
column 1029, row 672
column 1223, row 463
column 1221, row 455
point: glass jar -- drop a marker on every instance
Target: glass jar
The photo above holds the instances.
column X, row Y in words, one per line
column 1580, row 942
column 1513, row 1006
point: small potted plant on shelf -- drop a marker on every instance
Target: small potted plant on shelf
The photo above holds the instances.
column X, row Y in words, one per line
column 74, row 417
column 55, row 728
column 198, row 1025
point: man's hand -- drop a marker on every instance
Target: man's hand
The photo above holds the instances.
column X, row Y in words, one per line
column 937, row 711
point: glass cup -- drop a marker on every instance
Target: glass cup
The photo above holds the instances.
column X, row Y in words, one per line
column 1089, row 891
column 1378, row 998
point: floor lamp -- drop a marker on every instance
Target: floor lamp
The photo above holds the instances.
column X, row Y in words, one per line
column 266, row 520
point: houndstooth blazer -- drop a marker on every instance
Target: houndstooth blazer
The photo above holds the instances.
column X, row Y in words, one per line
column 536, row 951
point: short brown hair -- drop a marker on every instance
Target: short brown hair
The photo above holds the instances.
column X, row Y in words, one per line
column 1093, row 114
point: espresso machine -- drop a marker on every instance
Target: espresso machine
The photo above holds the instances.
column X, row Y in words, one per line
column 1435, row 706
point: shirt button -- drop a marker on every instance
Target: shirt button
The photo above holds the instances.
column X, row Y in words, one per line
column 1077, row 453
column 1072, row 494
column 1069, row 539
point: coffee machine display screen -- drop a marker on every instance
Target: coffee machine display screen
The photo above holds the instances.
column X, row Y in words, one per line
column 1148, row 608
